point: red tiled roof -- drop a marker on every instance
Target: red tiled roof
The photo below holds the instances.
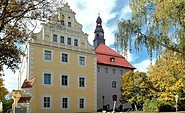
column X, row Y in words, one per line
column 104, row 55
column 28, row 83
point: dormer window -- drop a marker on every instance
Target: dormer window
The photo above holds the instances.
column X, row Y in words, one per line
column 112, row 59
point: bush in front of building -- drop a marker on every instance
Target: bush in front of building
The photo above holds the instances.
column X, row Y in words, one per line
column 150, row 106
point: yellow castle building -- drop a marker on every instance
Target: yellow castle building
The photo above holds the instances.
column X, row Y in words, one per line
column 64, row 65
column 66, row 74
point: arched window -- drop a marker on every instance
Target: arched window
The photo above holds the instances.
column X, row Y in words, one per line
column 121, row 72
column 113, row 71
column 106, row 70
column 113, row 84
column 114, row 97
column 108, row 106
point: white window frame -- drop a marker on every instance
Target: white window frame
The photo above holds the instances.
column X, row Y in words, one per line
column 85, row 60
column 121, row 72
column 85, row 80
column 44, row 55
column 114, row 84
column 77, row 42
column 84, row 103
column 42, row 101
column 106, row 70
column 67, row 80
column 70, row 42
column 62, row 22
column 60, row 40
column 69, row 24
column 47, row 72
column 114, row 71
column 68, row 102
column 53, row 38
column 67, row 58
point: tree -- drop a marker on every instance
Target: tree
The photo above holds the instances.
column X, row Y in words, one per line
column 135, row 88
column 3, row 92
column 17, row 22
column 167, row 77
column 155, row 24
column 7, row 105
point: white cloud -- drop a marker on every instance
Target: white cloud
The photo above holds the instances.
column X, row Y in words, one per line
column 87, row 13
column 130, row 57
column 125, row 12
column 144, row 65
column 11, row 79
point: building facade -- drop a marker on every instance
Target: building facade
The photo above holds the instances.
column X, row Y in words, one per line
column 64, row 65
column 110, row 67
column 66, row 73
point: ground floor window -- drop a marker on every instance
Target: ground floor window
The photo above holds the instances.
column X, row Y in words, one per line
column 81, row 103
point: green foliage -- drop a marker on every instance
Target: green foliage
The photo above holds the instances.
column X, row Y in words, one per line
column 167, row 77
column 17, row 22
column 7, row 105
column 135, row 87
column 150, row 106
column 3, row 90
column 155, row 24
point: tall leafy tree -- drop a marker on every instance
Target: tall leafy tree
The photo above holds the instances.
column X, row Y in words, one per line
column 155, row 24
column 17, row 22
column 135, row 88
column 168, row 78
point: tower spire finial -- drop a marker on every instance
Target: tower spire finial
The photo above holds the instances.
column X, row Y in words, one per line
column 98, row 14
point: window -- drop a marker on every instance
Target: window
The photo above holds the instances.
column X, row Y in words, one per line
column 65, row 57
column 64, row 80
column 47, row 55
column 69, row 24
column 113, row 84
column 62, row 22
column 81, row 81
column 69, row 41
column 54, row 38
column 47, row 78
column 47, row 102
column 106, row 70
column 65, row 103
column 98, row 69
column 75, row 42
column 81, row 60
column 108, row 106
column 113, row 71
column 121, row 72
column 112, row 59
column 114, row 97
column 61, row 39
column 81, row 103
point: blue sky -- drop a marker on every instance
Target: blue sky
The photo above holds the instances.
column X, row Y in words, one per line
column 86, row 14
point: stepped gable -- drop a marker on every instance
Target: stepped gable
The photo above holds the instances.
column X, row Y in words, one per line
column 107, row 56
